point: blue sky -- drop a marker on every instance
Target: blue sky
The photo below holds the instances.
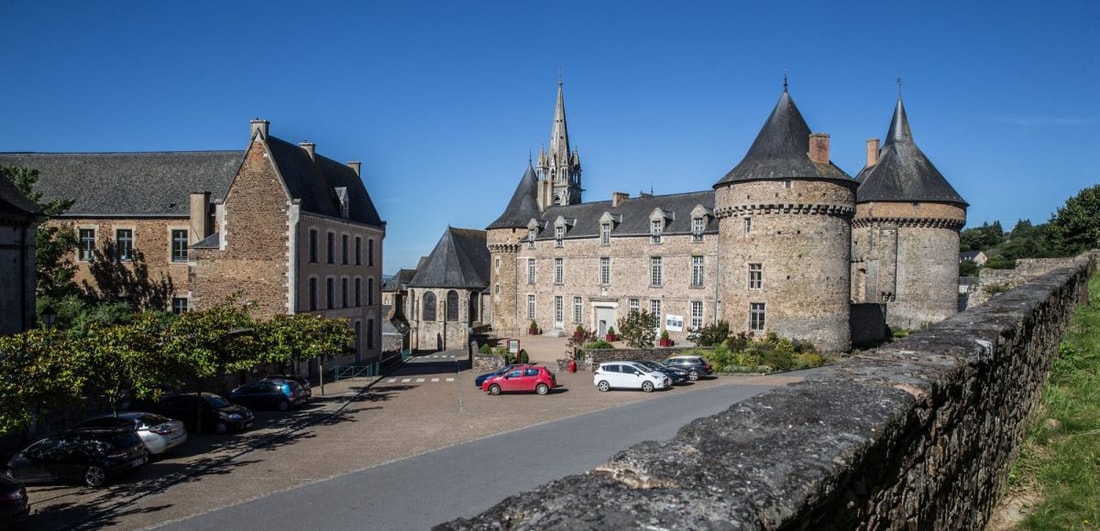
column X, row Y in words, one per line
column 443, row 101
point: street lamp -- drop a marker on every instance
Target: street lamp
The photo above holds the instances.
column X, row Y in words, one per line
column 49, row 317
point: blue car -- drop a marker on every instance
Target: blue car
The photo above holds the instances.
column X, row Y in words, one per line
column 481, row 378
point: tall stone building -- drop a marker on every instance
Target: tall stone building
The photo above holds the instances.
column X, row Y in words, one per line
column 783, row 243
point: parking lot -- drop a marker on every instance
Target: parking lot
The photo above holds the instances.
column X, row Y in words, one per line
column 355, row 424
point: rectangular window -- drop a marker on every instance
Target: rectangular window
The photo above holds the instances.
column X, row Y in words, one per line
column 331, row 252
column 756, row 316
column 531, row 238
column 86, row 249
column 359, row 250
column 655, row 309
column 530, row 270
column 313, row 294
column 370, row 334
column 370, row 252
column 559, row 235
column 748, row 225
column 179, row 305
column 605, row 234
column 696, row 315
column 531, row 307
column 179, row 245
column 559, row 271
column 330, row 293
column 697, row 271
column 655, row 228
column 697, row 225
column 124, row 245
column 605, row 271
column 358, row 292
column 344, row 292
column 635, row 305
column 655, row 271
column 344, row 249
column 559, row 311
column 578, row 307
column 370, row 291
column 313, row 246
column 756, row 276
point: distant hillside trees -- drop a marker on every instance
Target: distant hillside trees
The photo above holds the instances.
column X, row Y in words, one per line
column 1076, row 225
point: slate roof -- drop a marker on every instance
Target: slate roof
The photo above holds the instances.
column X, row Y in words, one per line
column 129, row 184
column 14, row 206
column 524, row 204
column 314, row 180
column 394, row 283
column 632, row 215
column 781, row 150
column 902, row 172
column 459, row 260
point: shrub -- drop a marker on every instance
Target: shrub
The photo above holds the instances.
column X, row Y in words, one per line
column 636, row 328
column 522, row 358
column 710, row 335
column 485, row 349
column 611, row 330
column 598, row 344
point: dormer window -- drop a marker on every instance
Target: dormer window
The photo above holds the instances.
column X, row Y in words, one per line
column 697, row 225
column 344, row 200
column 655, row 228
column 559, row 235
column 605, row 233
column 531, row 238
column 607, row 224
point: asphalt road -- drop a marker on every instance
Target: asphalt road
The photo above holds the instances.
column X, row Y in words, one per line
column 466, row 479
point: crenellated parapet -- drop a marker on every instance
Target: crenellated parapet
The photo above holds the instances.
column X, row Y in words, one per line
column 909, row 222
column 845, row 211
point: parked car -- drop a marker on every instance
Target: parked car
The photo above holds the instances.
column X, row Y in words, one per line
column 629, row 375
column 696, row 366
column 217, row 413
column 90, row 456
column 14, row 506
column 269, row 394
column 521, row 378
column 302, row 381
column 482, row 377
column 159, row 433
column 678, row 376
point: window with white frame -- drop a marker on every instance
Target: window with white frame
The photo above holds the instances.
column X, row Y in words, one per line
column 655, row 271
column 531, row 307
column 578, row 307
column 530, row 270
column 605, row 234
column 179, row 245
column 756, row 276
column 605, row 271
column 559, row 271
column 697, row 226
column 86, row 242
column 696, row 315
column 179, row 305
column 559, row 310
column 559, row 235
column 124, row 245
column 756, row 316
column 655, row 309
column 697, row 271
column 655, row 228
column 635, row 305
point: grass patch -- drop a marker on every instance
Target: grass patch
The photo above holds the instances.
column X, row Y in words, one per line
column 1060, row 459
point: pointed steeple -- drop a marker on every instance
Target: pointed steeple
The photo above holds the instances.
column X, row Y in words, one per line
column 899, row 126
column 559, row 134
column 560, row 167
column 524, row 204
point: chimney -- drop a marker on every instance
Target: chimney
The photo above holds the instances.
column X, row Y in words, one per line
column 872, row 152
column 259, row 126
column 819, row 148
column 310, row 147
column 618, row 198
column 355, row 165
column 199, row 216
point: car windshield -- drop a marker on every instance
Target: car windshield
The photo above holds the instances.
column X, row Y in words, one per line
column 215, row 401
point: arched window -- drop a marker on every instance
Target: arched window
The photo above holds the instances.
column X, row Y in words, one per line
column 452, row 305
column 429, row 306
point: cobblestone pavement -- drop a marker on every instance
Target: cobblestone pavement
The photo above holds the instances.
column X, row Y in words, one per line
column 354, row 424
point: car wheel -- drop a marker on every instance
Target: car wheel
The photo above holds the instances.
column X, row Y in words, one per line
column 284, row 405
column 220, row 428
column 647, row 386
column 693, row 376
column 95, row 476
column 542, row 389
column 603, row 386
column 494, row 389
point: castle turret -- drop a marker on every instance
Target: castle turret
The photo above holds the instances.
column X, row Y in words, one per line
column 785, row 230
column 559, row 170
column 504, row 237
column 905, row 235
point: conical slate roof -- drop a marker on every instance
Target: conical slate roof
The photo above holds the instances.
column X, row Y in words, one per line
column 524, row 204
column 459, row 260
column 902, row 172
column 781, row 150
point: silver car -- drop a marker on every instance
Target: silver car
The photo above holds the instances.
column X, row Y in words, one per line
column 159, row 433
column 629, row 375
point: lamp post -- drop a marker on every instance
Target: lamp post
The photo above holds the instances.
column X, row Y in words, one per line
column 49, row 317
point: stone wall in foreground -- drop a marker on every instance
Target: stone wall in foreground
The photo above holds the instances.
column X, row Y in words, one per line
column 919, row 435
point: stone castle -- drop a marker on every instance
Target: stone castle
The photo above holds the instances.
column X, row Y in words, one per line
column 786, row 243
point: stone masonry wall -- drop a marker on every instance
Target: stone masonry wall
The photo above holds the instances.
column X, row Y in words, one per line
column 919, row 435
column 992, row 282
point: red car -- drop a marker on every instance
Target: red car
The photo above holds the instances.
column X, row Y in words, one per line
column 521, row 378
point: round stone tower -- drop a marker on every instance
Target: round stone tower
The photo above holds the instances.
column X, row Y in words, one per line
column 504, row 237
column 785, row 216
column 905, row 235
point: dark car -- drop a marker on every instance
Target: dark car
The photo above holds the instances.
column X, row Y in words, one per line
column 302, row 381
column 696, row 366
column 269, row 394
column 678, row 376
column 217, row 413
column 14, row 506
column 90, row 456
column 159, row 433
column 482, row 377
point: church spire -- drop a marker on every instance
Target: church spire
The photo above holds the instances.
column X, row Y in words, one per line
column 560, row 168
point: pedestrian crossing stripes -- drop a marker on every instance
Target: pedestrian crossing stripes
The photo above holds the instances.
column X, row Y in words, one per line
column 448, row 379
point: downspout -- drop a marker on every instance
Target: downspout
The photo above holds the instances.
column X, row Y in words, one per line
column 718, row 274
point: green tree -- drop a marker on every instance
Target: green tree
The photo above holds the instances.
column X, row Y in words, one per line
column 286, row 339
column 1076, row 225
column 637, row 329
column 981, row 238
column 211, row 343
column 54, row 244
column 710, row 335
column 35, row 376
column 122, row 361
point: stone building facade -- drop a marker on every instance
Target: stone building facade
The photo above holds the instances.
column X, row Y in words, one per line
column 18, row 219
column 781, row 244
column 446, row 294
